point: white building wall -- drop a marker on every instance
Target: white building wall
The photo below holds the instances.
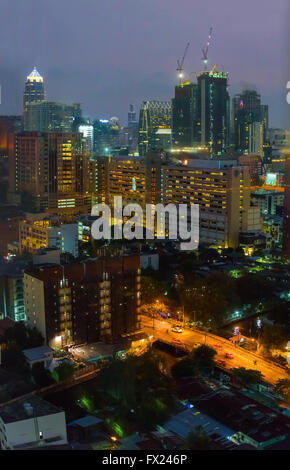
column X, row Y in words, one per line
column 53, row 426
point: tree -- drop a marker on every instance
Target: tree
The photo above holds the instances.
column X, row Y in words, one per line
column 151, row 288
column 183, row 368
column 139, row 389
column 203, row 359
column 273, row 337
column 63, row 372
column 40, row 375
column 247, row 376
column 198, row 440
column 282, row 388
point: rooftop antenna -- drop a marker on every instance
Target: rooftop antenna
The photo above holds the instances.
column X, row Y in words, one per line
column 180, row 64
column 205, row 51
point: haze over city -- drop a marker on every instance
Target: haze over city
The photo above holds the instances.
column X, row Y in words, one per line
column 108, row 54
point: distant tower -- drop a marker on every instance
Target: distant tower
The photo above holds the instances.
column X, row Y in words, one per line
column 132, row 129
column 34, row 90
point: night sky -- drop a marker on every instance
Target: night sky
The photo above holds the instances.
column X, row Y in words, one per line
column 107, row 54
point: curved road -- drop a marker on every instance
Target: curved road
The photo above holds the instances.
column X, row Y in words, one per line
column 242, row 358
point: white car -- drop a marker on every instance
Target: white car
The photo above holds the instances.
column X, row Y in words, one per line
column 176, row 329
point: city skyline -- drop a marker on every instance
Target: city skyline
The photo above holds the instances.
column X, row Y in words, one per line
column 106, row 79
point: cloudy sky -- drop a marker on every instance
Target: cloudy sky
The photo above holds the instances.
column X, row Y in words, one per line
column 107, row 54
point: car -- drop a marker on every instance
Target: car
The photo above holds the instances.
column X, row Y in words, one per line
column 177, row 341
column 229, row 355
column 217, row 346
column 176, row 329
column 196, row 345
column 220, row 363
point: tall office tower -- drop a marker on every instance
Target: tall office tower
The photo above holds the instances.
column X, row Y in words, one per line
column 286, row 217
column 9, row 127
column 106, row 136
column 34, row 91
column 87, row 130
column 85, row 302
column 154, row 115
column 48, row 116
column 132, row 129
column 246, row 110
column 214, row 110
column 185, row 128
column 52, row 172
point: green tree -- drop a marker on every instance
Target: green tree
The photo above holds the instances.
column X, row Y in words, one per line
column 183, row 368
column 63, row 372
column 198, row 440
column 282, row 388
column 40, row 375
column 203, row 359
column 273, row 336
column 247, row 376
column 139, row 389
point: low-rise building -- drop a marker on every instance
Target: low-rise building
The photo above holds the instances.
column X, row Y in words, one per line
column 28, row 423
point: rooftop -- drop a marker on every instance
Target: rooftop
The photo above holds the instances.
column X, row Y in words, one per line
column 37, row 354
column 25, row 408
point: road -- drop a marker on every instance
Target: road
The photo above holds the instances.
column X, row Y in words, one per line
column 242, row 358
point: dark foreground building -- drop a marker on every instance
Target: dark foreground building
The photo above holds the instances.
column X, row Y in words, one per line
column 84, row 302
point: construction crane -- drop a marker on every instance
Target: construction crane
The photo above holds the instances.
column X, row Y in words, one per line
column 180, row 64
column 205, row 51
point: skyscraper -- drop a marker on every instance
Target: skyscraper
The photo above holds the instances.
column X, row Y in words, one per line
column 185, row 130
column 154, row 115
column 246, row 111
column 49, row 116
column 132, row 129
column 52, row 172
column 34, row 91
column 214, row 110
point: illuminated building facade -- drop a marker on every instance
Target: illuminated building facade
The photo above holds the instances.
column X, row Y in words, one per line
column 220, row 187
column 214, row 111
column 154, row 115
column 221, row 190
column 34, row 91
column 52, row 170
column 36, row 234
column 85, row 302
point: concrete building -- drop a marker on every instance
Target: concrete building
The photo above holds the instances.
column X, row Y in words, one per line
column 31, row 423
column 52, row 172
column 11, row 292
column 85, row 302
column 37, row 233
column 267, row 200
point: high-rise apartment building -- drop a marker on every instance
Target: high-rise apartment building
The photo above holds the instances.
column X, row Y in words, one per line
column 220, row 187
column 85, row 302
column 154, row 115
column 52, row 172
